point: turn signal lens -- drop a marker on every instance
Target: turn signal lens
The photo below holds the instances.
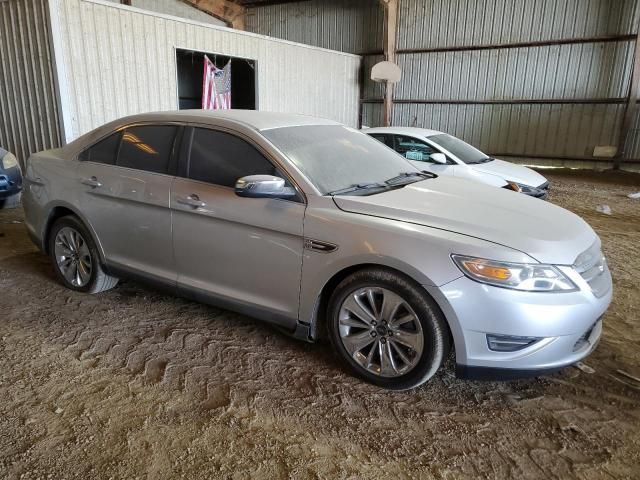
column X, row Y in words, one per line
column 487, row 271
column 529, row 277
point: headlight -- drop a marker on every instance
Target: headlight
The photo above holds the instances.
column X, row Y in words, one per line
column 522, row 188
column 528, row 277
column 9, row 161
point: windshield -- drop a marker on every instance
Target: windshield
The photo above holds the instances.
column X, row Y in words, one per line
column 334, row 157
column 460, row 149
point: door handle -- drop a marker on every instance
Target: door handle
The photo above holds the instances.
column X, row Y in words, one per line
column 91, row 182
column 192, row 200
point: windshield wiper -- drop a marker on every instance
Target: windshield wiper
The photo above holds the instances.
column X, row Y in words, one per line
column 403, row 177
column 397, row 181
column 358, row 187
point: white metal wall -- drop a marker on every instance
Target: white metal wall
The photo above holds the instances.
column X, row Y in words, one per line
column 28, row 110
column 114, row 60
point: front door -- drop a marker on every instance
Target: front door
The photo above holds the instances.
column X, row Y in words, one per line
column 243, row 253
column 125, row 183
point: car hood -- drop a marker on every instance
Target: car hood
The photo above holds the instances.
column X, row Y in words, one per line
column 511, row 172
column 544, row 231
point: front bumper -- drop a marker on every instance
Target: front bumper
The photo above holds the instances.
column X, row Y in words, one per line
column 567, row 326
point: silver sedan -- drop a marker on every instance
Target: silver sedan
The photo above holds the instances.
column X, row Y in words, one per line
column 320, row 229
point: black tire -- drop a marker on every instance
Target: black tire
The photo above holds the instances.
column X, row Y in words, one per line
column 98, row 281
column 434, row 329
column 11, row 202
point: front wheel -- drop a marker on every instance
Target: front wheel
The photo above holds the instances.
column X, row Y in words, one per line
column 387, row 329
column 75, row 257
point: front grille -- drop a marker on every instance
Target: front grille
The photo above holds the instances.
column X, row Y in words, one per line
column 591, row 265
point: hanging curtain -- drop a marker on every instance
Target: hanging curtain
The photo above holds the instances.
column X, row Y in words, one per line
column 216, row 86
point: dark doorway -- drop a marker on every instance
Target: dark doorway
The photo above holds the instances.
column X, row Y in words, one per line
column 190, row 66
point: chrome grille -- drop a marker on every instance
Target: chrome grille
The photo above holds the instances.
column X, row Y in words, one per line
column 592, row 266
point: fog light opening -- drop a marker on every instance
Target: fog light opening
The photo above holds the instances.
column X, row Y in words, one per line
column 509, row 343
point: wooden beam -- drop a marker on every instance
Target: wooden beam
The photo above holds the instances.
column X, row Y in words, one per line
column 225, row 10
column 390, row 35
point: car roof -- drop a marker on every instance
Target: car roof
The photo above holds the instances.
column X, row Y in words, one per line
column 250, row 120
column 424, row 132
column 258, row 120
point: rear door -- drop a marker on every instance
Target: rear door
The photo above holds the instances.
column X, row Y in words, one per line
column 125, row 181
column 244, row 252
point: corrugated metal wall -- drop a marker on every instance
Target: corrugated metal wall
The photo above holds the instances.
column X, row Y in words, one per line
column 114, row 61
column 353, row 26
column 28, row 110
column 447, row 23
column 520, row 97
column 517, row 97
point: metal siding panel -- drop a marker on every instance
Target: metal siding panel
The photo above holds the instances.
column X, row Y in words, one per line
column 633, row 140
column 143, row 44
column 28, row 100
column 592, row 70
column 353, row 26
column 595, row 70
column 439, row 23
column 517, row 129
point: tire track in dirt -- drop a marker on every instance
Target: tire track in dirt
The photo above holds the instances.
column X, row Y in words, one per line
column 242, row 397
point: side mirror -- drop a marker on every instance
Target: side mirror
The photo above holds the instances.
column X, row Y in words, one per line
column 438, row 158
column 263, row 186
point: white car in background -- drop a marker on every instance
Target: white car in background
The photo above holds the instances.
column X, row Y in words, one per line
column 444, row 154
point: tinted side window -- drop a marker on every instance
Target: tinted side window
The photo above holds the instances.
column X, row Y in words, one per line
column 147, row 148
column 221, row 158
column 104, row 151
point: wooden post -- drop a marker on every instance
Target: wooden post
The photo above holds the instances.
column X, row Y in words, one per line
column 630, row 108
column 390, row 34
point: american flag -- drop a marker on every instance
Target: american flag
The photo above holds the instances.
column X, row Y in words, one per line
column 216, row 86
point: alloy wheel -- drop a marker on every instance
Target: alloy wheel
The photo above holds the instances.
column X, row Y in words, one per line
column 380, row 331
column 73, row 257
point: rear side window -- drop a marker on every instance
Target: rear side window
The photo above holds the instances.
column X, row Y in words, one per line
column 105, row 151
column 221, row 158
column 147, row 148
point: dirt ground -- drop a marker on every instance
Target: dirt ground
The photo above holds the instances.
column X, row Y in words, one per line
column 137, row 384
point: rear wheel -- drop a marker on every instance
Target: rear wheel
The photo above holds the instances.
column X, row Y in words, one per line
column 75, row 257
column 387, row 329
